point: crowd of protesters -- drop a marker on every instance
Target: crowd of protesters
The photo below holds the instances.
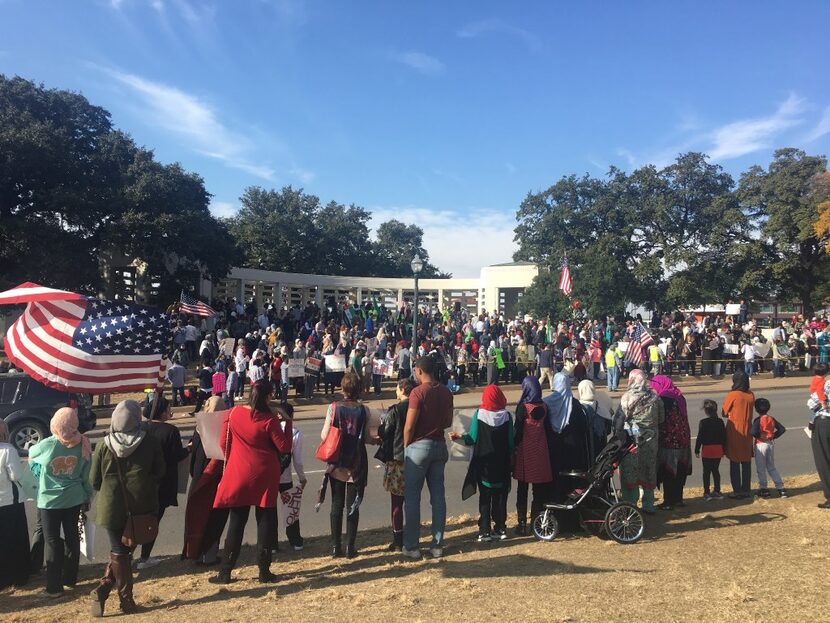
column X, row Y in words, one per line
column 542, row 443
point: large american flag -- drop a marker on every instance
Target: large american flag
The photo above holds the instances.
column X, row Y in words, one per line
column 640, row 341
column 193, row 306
column 565, row 281
column 80, row 344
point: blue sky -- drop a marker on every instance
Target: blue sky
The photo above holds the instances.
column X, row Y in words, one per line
column 443, row 114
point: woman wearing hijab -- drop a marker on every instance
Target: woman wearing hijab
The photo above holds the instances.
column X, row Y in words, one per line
column 640, row 408
column 569, row 444
column 61, row 463
column 253, row 440
column 203, row 524
column 532, row 441
column 157, row 412
column 141, row 462
column 737, row 409
column 491, row 435
column 14, row 534
column 674, row 454
column 598, row 426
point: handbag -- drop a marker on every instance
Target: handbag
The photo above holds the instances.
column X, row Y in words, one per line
column 139, row 529
column 329, row 449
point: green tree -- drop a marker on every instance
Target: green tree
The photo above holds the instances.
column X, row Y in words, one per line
column 781, row 199
column 396, row 245
column 73, row 190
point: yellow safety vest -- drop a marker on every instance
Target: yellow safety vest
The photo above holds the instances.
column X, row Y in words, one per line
column 653, row 353
column 610, row 360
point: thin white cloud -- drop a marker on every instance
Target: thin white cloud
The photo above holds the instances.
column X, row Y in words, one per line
column 303, row 175
column 491, row 26
column 195, row 122
column 821, row 128
column 750, row 135
column 223, row 209
column 420, row 62
column 511, row 168
column 458, row 242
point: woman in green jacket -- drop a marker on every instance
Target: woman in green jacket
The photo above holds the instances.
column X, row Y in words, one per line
column 61, row 463
column 141, row 462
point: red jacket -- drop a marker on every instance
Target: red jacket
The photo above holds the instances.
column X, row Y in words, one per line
column 252, row 470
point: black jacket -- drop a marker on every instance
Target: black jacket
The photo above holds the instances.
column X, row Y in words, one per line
column 391, row 432
column 710, row 432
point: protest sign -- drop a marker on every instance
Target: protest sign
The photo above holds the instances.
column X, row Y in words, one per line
column 296, row 368
column 335, row 363
column 733, row 309
column 731, row 349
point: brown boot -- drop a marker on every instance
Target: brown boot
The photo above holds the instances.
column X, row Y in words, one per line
column 101, row 592
column 122, row 568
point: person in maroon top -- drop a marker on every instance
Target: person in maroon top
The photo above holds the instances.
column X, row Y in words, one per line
column 425, row 456
column 253, row 440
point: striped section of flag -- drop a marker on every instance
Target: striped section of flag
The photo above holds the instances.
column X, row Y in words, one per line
column 640, row 341
column 86, row 345
column 565, row 281
column 194, row 307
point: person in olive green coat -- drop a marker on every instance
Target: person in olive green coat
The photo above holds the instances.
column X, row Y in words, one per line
column 142, row 467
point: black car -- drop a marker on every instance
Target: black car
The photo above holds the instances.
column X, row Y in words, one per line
column 28, row 406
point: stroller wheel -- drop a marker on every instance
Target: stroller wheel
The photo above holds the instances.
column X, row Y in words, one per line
column 624, row 523
column 545, row 526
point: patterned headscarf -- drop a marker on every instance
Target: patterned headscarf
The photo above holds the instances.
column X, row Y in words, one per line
column 64, row 426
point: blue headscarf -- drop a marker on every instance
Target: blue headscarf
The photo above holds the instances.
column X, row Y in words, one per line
column 559, row 402
column 531, row 391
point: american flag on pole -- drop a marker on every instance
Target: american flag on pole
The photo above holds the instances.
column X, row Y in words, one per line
column 79, row 344
column 640, row 341
column 194, row 307
column 565, row 281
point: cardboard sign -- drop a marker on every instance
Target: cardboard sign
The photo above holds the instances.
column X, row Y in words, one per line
column 733, row 309
column 296, row 368
column 461, row 421
column 380, row 367
column 731, row 349
column 209, row 427
column 312, row 365
column 762, row 349
column 335, row 363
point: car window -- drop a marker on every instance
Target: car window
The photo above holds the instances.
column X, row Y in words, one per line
column 13, row 390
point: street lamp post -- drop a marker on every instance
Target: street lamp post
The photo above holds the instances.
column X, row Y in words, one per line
column 416, row 265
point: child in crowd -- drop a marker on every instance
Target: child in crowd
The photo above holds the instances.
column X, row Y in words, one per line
column 290, row 495
column 765, row 430
column 390, row 433
column 452, row 383
column 710, row 444
column 491, row 435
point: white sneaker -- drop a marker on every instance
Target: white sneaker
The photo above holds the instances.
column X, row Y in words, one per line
column 436, row 552
column 148, row 563
column 414, row 554
column 484, row 538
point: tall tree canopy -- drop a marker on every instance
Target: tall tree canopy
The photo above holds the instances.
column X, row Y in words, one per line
column 681, row 235
column 74, row 190
column 291, row 231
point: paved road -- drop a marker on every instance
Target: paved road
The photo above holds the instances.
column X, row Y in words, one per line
column 793, row 456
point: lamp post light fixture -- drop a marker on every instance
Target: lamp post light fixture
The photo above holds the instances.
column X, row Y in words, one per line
column 417, row 265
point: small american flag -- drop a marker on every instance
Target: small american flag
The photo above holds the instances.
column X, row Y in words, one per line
column 194, row 307
column 565, row 282
column 640, row 341
column 79, row 344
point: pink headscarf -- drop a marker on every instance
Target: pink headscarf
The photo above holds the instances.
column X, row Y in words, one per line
column 64, row 426
column 665, row 388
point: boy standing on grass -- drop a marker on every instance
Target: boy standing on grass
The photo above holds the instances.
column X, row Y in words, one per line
column 765, row 430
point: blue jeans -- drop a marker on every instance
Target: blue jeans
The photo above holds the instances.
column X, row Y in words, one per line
column 748, row 366
column 424, row 460
column 613, row 375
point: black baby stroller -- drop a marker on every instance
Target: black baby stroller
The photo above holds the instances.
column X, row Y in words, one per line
column 598, row 504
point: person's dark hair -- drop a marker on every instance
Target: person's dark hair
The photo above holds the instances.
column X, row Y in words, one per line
column 260, row 393
column 155, row 407
column 350, row 385
column 822, row 369
column 426, row 364
column 710, row 408
column 762, row 406
column 406, row 386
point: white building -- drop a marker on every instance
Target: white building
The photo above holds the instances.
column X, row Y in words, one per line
column 499, row 286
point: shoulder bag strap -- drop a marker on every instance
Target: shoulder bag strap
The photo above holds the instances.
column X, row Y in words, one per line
column 121, row 483
column 227, row 442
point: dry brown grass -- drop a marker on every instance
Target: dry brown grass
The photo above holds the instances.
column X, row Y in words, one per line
column 760, row 561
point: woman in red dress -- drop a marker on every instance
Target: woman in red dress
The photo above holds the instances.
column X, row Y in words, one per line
column 253, row 440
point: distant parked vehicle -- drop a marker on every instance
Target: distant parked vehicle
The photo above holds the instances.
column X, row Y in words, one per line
column 28, row 406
